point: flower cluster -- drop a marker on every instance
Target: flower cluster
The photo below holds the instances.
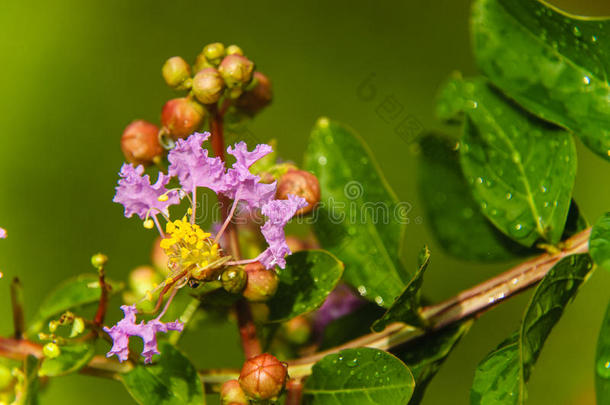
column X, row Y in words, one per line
column 192, row 252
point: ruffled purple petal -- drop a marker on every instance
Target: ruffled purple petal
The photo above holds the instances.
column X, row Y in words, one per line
column 127, row 327
column 245, row 158
column 278, row 212
column 193, row 167
column 2, row 233
column 138, row 196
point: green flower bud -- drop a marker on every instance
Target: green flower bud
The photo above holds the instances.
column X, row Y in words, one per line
column 181, row 117
column 99, row 260
column 231, row 393
column 176, row 71
column 208, row 86
column 302, row 184
column 234, row 280
column 262, row 283
column 214, row 52
column 53, row 326
column 236, row 70
column 256, row 98
column 51, row 350
column 297, row 330
column 234, row 50
column 263, row 377
column 140, row 143
column 78, row 327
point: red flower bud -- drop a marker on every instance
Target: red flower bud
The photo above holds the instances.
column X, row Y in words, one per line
column 262, row 283
column 263, row 377
column 231, row 393
column 236, row 70
column 302, row 184
column 297, row 330
column 255, row 99
column 176, row 72
column 182, row 117
column 208, row 86
column 140, row 143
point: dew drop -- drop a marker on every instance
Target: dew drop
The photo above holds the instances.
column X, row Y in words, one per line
column 603, row 367
column 593, row 38
column 586, row 80
column 352, row 363
column 509, row 196
column 543, row 189
column 576, row 31
column 362, row 290
column 322, row 160
column 379, row 300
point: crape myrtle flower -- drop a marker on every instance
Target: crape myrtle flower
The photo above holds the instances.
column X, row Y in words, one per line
column 340, row 302
column 141, row 198
column 194, row 254
column 127, row 327
column 2, row 233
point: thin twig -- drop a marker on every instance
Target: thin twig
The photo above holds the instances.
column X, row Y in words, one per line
column 98, row 321
column 469, row 303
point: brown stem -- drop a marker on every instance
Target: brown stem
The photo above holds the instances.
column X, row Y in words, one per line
column 98, row 321
column 294, row 392
column 472, row 302
column 17, row 305
column 247, row 329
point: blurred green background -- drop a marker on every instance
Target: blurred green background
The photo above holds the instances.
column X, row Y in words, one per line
column 75, row 73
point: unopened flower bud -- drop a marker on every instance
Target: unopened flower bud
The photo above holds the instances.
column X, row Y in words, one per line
column 176, row 71
column 262, row 283
column 263, row 377
column 51, row 350
column 234, row 50
column 208, row 86
column 297, row 330
column 182, row 117
column 143, row 279
column 255, row 99
column 78, row 327
column 236, row 70
column 302, row 184
column 140, row 143
column 234, row 280
column 99, row 260
column 214, row 52
column 53, row 326
column 231, row 393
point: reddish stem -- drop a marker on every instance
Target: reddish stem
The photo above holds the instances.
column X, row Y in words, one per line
column 294, row 392
column 98, row 321
column 17, row 304
column 247, row 328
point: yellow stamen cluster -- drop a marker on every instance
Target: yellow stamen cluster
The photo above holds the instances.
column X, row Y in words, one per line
column 186, row 244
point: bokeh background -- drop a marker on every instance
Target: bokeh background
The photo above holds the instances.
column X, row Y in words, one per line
column 74, row 73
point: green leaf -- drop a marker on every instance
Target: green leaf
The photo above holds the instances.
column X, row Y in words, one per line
column 171, row 380
column 359, row 219
column 425, row 355
column 599, row 242
column 361, row 376
column 405, row 307
column 520, row 168
column 454, row 216
column 552, row 63
column 31, row 383
column 602, row 361
column 74, row 292
column 308, row 278
column 71, row 359
column 350, row 326
column 500, row 378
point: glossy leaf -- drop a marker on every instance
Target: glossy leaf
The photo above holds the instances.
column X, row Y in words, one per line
column 31, row 383
column 500, row 378
column 520, row 168
column 602, row 361
column 405, row 308
column 361, row 376
column 309, row 276
column 599, row 242
column 424, row 356
column 171, row 380
column 74, row 292
column 359, row 219
column 552, row 63
column 72, row 358
column 454, row 216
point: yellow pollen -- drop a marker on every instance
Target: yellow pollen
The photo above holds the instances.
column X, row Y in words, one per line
column 149, row 224
column 163, row 197
column 188, row 244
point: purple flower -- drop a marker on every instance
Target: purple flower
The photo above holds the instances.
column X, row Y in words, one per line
column 193, row 167
column 241, row 184
column 138, row 196
column 278, row 212
column 127, row 327
column 340, row 302
column 2, row 233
